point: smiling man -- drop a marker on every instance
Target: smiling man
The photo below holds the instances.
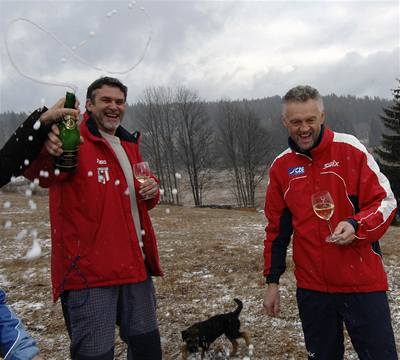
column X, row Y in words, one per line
column 340, row 278
column 104, row 250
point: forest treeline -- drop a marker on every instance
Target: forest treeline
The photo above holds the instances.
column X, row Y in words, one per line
column 183, row 135
column 358, row 116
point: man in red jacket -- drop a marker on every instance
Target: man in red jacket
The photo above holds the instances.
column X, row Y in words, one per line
column 340, row 276
column 104, row 249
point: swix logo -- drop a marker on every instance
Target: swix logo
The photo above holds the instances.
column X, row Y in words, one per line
column 101, row 162
column 296, row 171
column 311, row 354
column 333, row 163
column 103, row 175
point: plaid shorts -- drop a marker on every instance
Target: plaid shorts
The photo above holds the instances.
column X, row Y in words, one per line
column 91, row 315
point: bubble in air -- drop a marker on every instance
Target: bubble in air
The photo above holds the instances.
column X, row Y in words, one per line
column 126, row 192
column 174, row 191
column 7, row 224
column 28, row 192
column 90, row 173
column 36, row 125
column 36, row 181
column 32, row 205
column 167, row 211
column 30, row 137
column 143, row 232
column 56, row 172
column 7, row 205
column 117, row 182
column 21, row 234
column 178, row 175
column 35, row 251
column 92, row 33
column 26, row 162
column 162, row 191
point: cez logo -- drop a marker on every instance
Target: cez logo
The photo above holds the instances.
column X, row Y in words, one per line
column 296, row 171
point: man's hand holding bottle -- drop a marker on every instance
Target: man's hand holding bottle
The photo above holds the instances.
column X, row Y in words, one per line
column 54, row 114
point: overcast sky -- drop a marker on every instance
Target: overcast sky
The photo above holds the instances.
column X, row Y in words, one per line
column 222, row 49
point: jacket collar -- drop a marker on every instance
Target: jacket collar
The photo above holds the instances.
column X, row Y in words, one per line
column 90, row 124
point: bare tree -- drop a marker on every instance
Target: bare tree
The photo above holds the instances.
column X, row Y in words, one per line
column 194, row 139
column 155, row 115
column 245, row 146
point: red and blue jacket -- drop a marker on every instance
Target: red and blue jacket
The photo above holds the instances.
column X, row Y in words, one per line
column 361, row 194
column 94, row 241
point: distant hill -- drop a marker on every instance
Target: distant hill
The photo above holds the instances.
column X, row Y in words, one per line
column 343, row 113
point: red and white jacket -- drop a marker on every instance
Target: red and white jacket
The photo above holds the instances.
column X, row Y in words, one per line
column 343, row 166
column 94, row 242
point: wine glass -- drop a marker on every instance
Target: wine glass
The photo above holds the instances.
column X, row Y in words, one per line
column 324, row 207
column 141, row 171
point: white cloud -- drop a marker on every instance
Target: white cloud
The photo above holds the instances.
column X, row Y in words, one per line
column 231, row 49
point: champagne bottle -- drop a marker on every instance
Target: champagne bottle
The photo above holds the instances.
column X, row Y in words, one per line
column 70, row 138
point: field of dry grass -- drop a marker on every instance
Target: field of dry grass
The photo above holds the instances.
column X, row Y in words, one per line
column 209, row 256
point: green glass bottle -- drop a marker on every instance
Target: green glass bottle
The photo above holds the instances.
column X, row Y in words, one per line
column 69, row 135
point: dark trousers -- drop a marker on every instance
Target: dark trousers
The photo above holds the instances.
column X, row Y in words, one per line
column 91, row 315
column 367, row 320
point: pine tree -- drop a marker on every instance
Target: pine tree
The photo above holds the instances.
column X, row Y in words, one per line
column 389, row 151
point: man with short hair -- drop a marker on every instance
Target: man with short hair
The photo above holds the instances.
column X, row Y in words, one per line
column 340, row 276
column 104, row 249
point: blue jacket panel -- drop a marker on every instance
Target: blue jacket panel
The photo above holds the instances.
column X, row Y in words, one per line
column 15, row 343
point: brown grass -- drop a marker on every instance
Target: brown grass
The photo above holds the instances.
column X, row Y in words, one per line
column 209, row 257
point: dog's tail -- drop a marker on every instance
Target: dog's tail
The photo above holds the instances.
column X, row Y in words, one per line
column 239, row 306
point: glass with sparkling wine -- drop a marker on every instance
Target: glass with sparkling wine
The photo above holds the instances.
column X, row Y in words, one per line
column 141, row 171
column 324, row 207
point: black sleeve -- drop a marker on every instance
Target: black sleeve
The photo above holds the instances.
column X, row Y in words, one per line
column 279, row 248
column 22, row 147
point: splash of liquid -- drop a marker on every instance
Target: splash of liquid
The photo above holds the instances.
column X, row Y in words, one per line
column 72, row 51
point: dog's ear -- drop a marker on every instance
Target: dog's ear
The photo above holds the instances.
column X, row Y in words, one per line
column 184, row 335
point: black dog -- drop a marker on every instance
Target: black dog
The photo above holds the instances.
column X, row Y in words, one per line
column 203, row 334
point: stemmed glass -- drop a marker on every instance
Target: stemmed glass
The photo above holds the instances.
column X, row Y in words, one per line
column 324, row 207
column 141, row 171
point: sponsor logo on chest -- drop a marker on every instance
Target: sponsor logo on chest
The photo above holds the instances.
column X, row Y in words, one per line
column 103, row 175
column 331, row 164
column 298, row 170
